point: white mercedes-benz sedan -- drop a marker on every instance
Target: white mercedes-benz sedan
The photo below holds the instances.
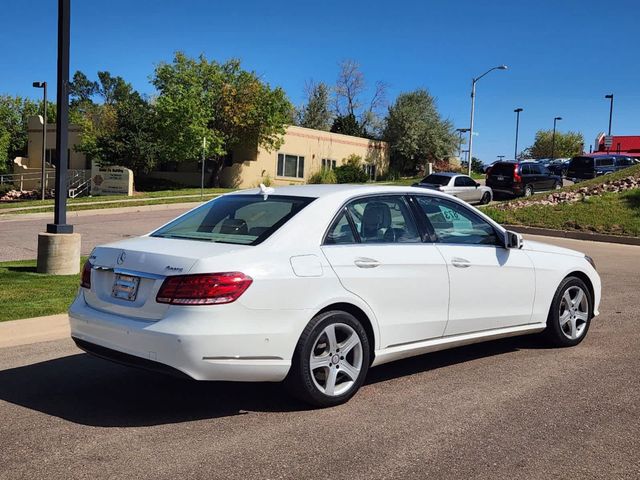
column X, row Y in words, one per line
column 314, row 285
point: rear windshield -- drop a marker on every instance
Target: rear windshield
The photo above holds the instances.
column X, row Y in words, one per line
column 435, row 179
column 578, row 163
column 237, row 219
column 502, row 169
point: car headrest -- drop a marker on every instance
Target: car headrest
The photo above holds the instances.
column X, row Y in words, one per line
column 235, row 226
column 376, row 215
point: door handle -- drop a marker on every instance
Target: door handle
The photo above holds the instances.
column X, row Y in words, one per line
column 363, row 262
column 460, row 262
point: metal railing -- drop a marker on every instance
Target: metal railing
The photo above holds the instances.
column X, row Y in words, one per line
column 78, row 181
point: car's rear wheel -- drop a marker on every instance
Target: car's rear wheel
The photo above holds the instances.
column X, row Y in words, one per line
column 528, row 190
column 570, row 314
column 486, row 198
column 330, row 361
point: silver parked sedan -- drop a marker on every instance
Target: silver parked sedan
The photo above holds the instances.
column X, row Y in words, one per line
column 458, row 185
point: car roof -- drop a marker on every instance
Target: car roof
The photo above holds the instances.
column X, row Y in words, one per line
column 338, row 191
column 447, row 174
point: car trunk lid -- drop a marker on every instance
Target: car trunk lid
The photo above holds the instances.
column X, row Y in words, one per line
column 127, row 275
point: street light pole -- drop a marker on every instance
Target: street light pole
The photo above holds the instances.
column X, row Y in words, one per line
column 517, row 110
column 59, row 224
column 610, row 97
column 204, row 149
column 473, row 106
column 43, row 173
column 553, row 138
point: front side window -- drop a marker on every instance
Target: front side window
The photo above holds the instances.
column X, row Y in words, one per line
column 383, row 220
column 237, row 219
column 290, row 166
column 454, row 223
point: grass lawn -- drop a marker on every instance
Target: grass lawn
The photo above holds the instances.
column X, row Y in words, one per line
column 611, row 213
column 25, row 293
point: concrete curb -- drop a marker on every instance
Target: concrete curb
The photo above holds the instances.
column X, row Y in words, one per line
column 576, row 235
column 34, row 330
column 16, row 217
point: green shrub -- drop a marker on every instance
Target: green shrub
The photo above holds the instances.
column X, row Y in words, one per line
column 323, row 175
column 350, row 173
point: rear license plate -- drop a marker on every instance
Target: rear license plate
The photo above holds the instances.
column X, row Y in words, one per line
column 500, row 178
column 125, row 287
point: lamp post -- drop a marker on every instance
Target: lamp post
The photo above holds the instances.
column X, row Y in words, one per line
column 473, row 106
column 610, row 97
column 553, row 138
column 460, row 132
column 43, row 173
column 517, row 110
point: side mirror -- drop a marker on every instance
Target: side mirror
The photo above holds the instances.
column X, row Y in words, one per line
column 513, row 240
column 477, row 184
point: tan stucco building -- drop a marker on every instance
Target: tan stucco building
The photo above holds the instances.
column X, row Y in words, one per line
column 304, row 151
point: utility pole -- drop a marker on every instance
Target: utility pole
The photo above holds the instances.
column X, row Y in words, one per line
column 517, row 110
column 553, row 137
column 610, row 97
column 204, row 149
column 473, row 107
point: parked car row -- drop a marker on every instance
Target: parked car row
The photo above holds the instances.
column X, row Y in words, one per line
column 521, row 178
column 592, row 166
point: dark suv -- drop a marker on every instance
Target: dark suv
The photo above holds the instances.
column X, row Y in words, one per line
column 585, row 167
column 521, row 178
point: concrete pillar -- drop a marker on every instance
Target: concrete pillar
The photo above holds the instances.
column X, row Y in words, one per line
column 59, row 253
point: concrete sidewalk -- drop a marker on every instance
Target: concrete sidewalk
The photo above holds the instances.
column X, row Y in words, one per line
column 34, row 330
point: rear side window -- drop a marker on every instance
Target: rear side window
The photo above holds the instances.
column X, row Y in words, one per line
column 435, row 179
column 341, row 231
column 236, row 219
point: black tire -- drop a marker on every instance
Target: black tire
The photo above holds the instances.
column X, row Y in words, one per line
column 486, row 198
column 557, row 186
column 528, row 191
column 555, row 333
column 300, row 382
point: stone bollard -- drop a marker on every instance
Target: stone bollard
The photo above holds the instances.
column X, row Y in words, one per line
column 59, row 253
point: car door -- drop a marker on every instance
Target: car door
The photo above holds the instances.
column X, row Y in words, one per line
column 490, row 286
column 465, row 188
column 546, row 180
column 378, row 254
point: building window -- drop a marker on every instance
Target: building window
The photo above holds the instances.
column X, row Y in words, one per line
column 290, row 166
column 370, row 170
column 328, row 164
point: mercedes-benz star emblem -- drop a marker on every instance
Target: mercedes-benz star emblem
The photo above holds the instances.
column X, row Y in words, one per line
column 121, row 258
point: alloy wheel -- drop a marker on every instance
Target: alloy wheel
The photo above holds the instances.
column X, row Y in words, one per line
column 574, row 312
column 336, row 359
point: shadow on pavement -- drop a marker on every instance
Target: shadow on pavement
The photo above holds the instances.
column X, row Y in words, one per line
column 91, row 391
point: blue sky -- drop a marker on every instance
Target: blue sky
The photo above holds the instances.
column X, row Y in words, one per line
column 563, row 55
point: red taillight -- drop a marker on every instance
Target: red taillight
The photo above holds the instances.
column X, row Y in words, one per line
column 85, row 279
column 516, row 178
column 203, row 289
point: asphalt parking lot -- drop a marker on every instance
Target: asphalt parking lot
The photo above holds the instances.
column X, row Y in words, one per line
column 507, row 409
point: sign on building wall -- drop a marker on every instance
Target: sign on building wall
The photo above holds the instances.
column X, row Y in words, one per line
column 111, row 180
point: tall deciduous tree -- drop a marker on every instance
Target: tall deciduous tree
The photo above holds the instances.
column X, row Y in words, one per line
column 316, row 113
column 416, row 132
column 350, row 102
column 221, row 102
column 566, row 144
column 14, row 115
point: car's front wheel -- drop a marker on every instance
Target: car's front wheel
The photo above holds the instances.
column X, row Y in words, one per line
column 330, row 361
column 570, row 314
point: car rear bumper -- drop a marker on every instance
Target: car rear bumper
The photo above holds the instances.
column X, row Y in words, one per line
column 230, row 344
